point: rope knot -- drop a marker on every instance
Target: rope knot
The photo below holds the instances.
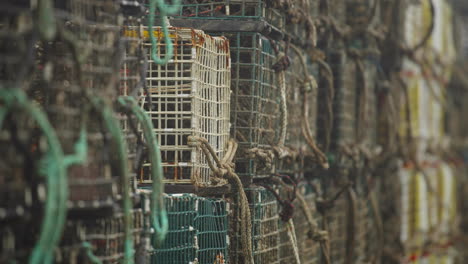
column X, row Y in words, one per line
column 287, row 211
column 282, row 63
column 319, row 236
column 309, row 84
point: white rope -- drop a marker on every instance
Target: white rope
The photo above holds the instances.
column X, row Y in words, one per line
column 293, row 239
column 284, row 109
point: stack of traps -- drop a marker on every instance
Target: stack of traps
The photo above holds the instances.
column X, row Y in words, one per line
column 188, row 96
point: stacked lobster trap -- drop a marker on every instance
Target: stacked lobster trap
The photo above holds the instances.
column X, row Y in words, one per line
column 265, row 227
column 254, row 109
column 204, row 13
column 307, row 225
column 198, row 231
column 189, row 96
column 92, row 30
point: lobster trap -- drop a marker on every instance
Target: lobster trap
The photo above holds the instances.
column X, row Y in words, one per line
column 105, row 236
column 249, row 15
column 16, row 43
column 80, row 64
column 302, row 109
column 23, row 184
column 336, row 224
column 198, row 231
column 309, row 249
column 265, row 230
column 254, row 107
column 188, row 96
column 343, row 105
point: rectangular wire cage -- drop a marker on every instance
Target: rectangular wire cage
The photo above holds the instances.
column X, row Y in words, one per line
column 256, row 10
column 344, row 103
column 188, row 96
column 254, row 101
column 337, row 218
column 80, row 63
column 104, row 234
column 265, row 231
column 299, row 100
column 132, row 82
column 198, row 231
column 309, row 250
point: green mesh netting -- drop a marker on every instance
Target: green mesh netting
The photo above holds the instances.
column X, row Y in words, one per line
column 198, row 230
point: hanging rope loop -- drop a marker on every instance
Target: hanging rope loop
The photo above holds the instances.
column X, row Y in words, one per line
column 164, row 10
column 158, row 212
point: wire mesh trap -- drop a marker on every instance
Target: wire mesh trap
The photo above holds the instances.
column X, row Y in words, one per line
column 198, row 231
column 81, row 63
column 132, row 82
column 309, row 250
column 344, row 103
column 16, row 43
column 189, row 97
column 336, row 225
column 254, row 97
column 265, row 232
column 23, row 187
column 237, row 10
column 302, row 104
column 105, row 236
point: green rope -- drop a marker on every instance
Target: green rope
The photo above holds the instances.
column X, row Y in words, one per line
column 89, row 252
column 46, row 20
column 52, row 167
column 164, row 10
column 158, row 211
column 81, row 150
column 113, row 126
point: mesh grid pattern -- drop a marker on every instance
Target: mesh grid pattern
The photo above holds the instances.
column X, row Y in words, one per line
column 132, row 81
column 105, row 234
column 198, row 230
column 344, row 104
column 16, row 42
column 295, row 140
column 254, row 99
column 189, row 97
column 78, row 63
column 309, row 250
column 265, row 237
column 336, row 221
column 232, row 10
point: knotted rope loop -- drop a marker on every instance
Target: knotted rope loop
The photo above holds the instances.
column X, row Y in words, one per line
column 225, row 168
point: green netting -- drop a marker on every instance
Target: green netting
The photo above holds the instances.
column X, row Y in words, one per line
column 265, row 236
column 254, row 97
column 198, row 230
column 232, row 10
